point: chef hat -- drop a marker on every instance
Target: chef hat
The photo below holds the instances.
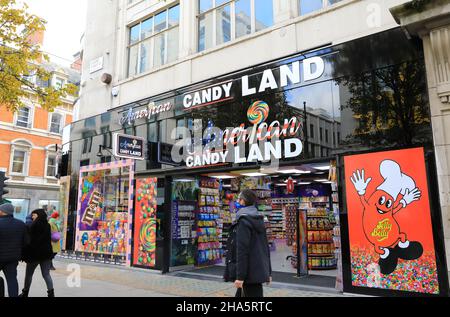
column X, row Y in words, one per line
column 395, row 182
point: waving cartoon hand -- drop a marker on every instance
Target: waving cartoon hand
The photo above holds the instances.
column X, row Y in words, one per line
column 359, row 182
column 410, row 196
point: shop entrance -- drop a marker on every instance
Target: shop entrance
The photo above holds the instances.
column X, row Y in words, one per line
column 300, row 207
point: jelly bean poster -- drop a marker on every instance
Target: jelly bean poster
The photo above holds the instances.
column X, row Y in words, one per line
column 389, row 219
column 145, row 223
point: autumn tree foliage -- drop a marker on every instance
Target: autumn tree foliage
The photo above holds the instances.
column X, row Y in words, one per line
column 20, row 60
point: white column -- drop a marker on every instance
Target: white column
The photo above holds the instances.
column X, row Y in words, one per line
column 437, row 58
column 188, row 27
column 283, row 10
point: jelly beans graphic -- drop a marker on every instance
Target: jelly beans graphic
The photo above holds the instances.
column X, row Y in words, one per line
column 146, row 221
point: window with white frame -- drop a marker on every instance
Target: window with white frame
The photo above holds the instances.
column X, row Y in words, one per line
column 59, row 83
column 221, row 21
column 154, row 41
column 56, row 123
column 52, row 165
column 309, row 6
column 23, row 118
column 18, row 161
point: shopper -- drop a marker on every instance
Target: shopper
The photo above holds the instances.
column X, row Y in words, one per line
column 39, row 252
column 55, row 226
column 12, row 240
column 248, row 255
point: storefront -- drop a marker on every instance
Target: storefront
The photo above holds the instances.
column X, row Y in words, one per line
column 336, row 142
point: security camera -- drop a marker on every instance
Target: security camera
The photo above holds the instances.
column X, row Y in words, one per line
column 115, row 91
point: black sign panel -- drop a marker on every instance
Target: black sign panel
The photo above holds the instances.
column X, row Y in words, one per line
column 165, row 154
column 127, row 146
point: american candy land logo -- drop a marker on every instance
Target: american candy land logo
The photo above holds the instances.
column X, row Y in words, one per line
column 266, row 142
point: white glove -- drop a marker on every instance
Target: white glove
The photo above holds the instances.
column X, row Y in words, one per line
column 359, row 182
column 410, row 196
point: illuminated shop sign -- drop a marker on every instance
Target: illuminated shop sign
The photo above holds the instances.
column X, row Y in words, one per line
column 127, row 146
column 266, row 141
column 293, row 73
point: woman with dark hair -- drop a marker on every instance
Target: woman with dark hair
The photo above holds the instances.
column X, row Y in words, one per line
column 39, row 252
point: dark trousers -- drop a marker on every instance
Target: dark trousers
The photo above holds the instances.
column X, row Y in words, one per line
column 10, row 271
column 251, row 290
column 45, row 271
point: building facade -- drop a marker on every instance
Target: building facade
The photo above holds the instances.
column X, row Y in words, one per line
column 161, row 70
column 30, row 142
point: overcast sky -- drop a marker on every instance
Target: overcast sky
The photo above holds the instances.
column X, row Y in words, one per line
column 66, row 21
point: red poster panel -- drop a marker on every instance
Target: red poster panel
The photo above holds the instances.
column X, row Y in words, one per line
column 390, row 230
column 144, row 249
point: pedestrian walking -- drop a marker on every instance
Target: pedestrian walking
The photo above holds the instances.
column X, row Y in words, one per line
column 12, row 241
column 248, row 255
column 55, row 226
column 39, row 252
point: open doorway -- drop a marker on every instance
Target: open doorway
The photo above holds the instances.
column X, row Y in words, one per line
column 284, row 194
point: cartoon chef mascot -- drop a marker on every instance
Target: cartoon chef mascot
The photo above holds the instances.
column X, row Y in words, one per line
column 381, row 228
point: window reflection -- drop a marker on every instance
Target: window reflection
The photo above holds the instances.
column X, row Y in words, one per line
column 243, row 18
column 223, row 25
column 264, row 14
column 308, row 6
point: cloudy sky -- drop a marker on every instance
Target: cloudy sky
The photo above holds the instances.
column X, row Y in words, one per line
column 66, row 20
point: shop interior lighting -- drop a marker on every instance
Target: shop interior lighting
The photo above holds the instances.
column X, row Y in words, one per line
column 322, row 180
column 304, row 183
column 254, row 174
column 280, row 185
column 323, row 167
column 293, row 171
column 184, row 180
column 223, row 176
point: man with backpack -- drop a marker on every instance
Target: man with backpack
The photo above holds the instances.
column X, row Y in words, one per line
column 248, row 255
column 12, row 241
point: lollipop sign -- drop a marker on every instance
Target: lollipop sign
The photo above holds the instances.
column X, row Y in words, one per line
column 264, row 140
column 258, row 112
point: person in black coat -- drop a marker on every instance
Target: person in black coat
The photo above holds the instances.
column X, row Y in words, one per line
column 12, row 240
column 39, row 252
column 248, row 256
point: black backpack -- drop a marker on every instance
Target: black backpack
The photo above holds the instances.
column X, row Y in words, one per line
column 2, row 287
column 230, row 256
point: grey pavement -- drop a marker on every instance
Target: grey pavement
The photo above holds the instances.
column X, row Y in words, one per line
column 102, row 280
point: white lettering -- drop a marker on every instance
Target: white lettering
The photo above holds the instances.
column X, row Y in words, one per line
column 246, row 91
column 227, row 89
column 187, row 101
column 286, row 73
column 288, row 152
column 268, row 81
column 309, row 74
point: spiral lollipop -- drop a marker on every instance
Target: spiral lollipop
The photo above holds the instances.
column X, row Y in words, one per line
column 147, row 235
column 258, row 112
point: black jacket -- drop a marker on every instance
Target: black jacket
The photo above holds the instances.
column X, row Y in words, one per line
column 40, row 242
column 12, row 239
column 248, row 254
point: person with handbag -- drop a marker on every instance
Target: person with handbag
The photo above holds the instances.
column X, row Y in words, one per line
column 12, row 241
column 39, row 252
column 56, row 235
column 248, row 262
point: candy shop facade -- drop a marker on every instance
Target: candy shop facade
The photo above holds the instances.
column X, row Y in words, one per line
column 336, row 141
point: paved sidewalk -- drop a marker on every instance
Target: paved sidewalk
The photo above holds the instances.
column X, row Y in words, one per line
column 99, row 280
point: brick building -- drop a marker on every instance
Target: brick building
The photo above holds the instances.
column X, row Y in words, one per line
column 29, row 142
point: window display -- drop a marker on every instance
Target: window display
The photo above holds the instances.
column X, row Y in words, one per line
column 105, row 209
column 209, row 246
